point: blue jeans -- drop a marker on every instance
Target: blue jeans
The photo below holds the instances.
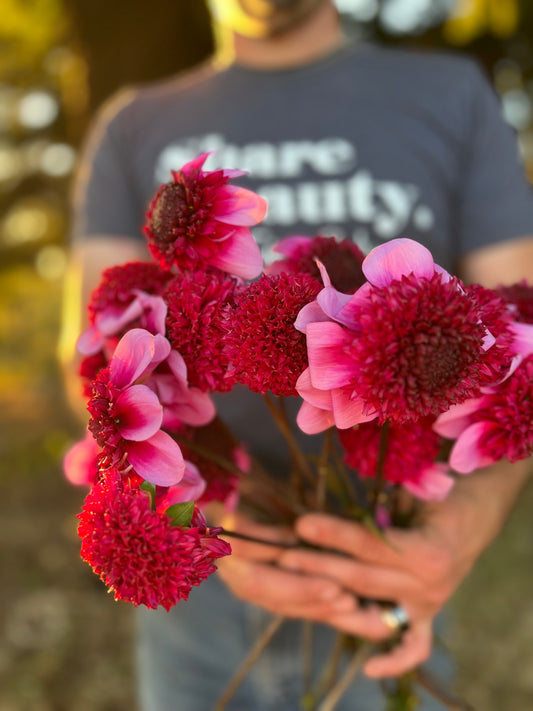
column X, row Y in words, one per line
column 187, row 656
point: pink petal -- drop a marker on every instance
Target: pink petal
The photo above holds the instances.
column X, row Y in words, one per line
column 312, row 395
column 139, row 413
column 196, row 410
column 451, row 423
column 190, row 488
column 310, row 313
column 332, row 301
column 434, row 483
column 397, row 258
column 329, row 366
column 133, row 355
column 349, row 410
column 90, row 341
column 158, row 460
column 80, row 462
column 177, row 365
column 466, row 455
column 313, row 420
column 112, row 320
column 155, row 312
column 239, row 255
column 523, row 338
column 348, row 315
column 238, row 206
column 290, row 245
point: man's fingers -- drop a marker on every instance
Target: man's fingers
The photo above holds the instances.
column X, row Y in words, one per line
column 350, row 537
column 413, row 649
column 250, row 546
column 371, row 581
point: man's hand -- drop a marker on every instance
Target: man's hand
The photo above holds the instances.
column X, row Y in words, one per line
column 418, row 568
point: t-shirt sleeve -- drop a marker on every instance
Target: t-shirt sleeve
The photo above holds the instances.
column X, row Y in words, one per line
column 104, row 197
column 495, row 197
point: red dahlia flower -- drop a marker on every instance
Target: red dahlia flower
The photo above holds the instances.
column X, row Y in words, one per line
column 342, row 260
column 198, row 220
column 409, row 459
column 520, row 296
column 264, row 348
column 142, row 557
column 195, row 322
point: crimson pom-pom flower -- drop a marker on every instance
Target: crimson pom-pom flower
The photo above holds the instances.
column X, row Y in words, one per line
column 496, row 425
column 138, row 553
column 408, row 344
column 198, row 220
column 195, row 324
column 341, row 259
column 410, row 456
column 520, row 295
column 266, row 351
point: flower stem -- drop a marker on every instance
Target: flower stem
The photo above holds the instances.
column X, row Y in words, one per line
column 380, row 478
column 280, row 418
column 248, row 663
column 425, row 679
column 338, row 691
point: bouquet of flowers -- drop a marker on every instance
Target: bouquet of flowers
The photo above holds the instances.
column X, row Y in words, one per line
column 406, row 375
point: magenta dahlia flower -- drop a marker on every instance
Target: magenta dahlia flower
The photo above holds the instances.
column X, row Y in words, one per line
column 495, row 425
column 198, row 220
column 195, row 322
column 266, row 351
column 126, row 416
column 138, row 552
column 410, row 458
column 341, row 259
column 408, row 343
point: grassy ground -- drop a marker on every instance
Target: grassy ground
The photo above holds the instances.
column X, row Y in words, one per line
column 66, row 646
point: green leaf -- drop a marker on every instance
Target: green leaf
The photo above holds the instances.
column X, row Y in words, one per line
column 181, row 514
column 150, row 489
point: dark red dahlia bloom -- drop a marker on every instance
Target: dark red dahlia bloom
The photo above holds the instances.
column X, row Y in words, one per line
column 420, row 350
column 520, row 295
column 88, row 370
column 410, row 449
column 342, row 260
column 266, row 351
column 138, row 553
column 196, row 303
column 118, row 284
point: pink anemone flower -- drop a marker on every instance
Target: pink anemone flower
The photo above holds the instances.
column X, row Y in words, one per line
column 127, row 415
column 407, row 344
column 198, row 220
column 495, row 425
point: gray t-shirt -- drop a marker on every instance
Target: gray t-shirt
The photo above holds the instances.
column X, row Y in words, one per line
column 370, row 143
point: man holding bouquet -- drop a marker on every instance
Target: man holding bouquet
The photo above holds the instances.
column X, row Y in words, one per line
column 360, row 142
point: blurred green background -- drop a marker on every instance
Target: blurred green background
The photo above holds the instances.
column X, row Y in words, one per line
column 64, row 644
